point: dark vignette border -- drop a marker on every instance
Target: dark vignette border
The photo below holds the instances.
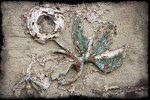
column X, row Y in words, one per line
column 141, row 82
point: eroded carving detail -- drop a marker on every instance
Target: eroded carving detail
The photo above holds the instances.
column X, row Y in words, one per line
column 94, row 50
column 32, row 21
column 40, row 80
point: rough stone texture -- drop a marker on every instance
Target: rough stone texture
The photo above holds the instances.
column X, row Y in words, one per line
column 131, row 19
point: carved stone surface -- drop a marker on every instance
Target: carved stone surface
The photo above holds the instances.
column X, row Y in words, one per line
column 35, row 15
column 131, row 19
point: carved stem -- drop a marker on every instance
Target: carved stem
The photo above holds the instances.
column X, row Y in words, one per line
column 69, row 81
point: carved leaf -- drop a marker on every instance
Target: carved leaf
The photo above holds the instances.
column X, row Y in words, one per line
column 107, row 65
column 80, row 40
column 107, row 30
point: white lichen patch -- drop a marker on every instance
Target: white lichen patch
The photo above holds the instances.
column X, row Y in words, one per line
column 110, row 87
column 91, row 15
column 39, row 80
column 71, row 89
column 32, row 21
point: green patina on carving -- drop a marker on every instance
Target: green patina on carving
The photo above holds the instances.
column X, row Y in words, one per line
column 107, row 65
column 81, row 40
column 101, row 45
column 85, row 59
column 92, row 50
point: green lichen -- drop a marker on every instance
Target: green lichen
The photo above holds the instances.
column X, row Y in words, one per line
column 102, row 44
column 113, row 63
column 78, row 35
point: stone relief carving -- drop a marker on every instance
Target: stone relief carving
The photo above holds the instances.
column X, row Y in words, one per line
column 36, row 14
column 93, row 49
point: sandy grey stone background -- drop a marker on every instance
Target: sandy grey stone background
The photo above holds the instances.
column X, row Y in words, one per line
column 131, row 19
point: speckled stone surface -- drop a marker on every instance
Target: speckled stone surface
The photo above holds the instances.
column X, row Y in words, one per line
column 131, row 19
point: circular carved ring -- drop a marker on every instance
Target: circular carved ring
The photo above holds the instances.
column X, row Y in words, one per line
column 32, row 21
